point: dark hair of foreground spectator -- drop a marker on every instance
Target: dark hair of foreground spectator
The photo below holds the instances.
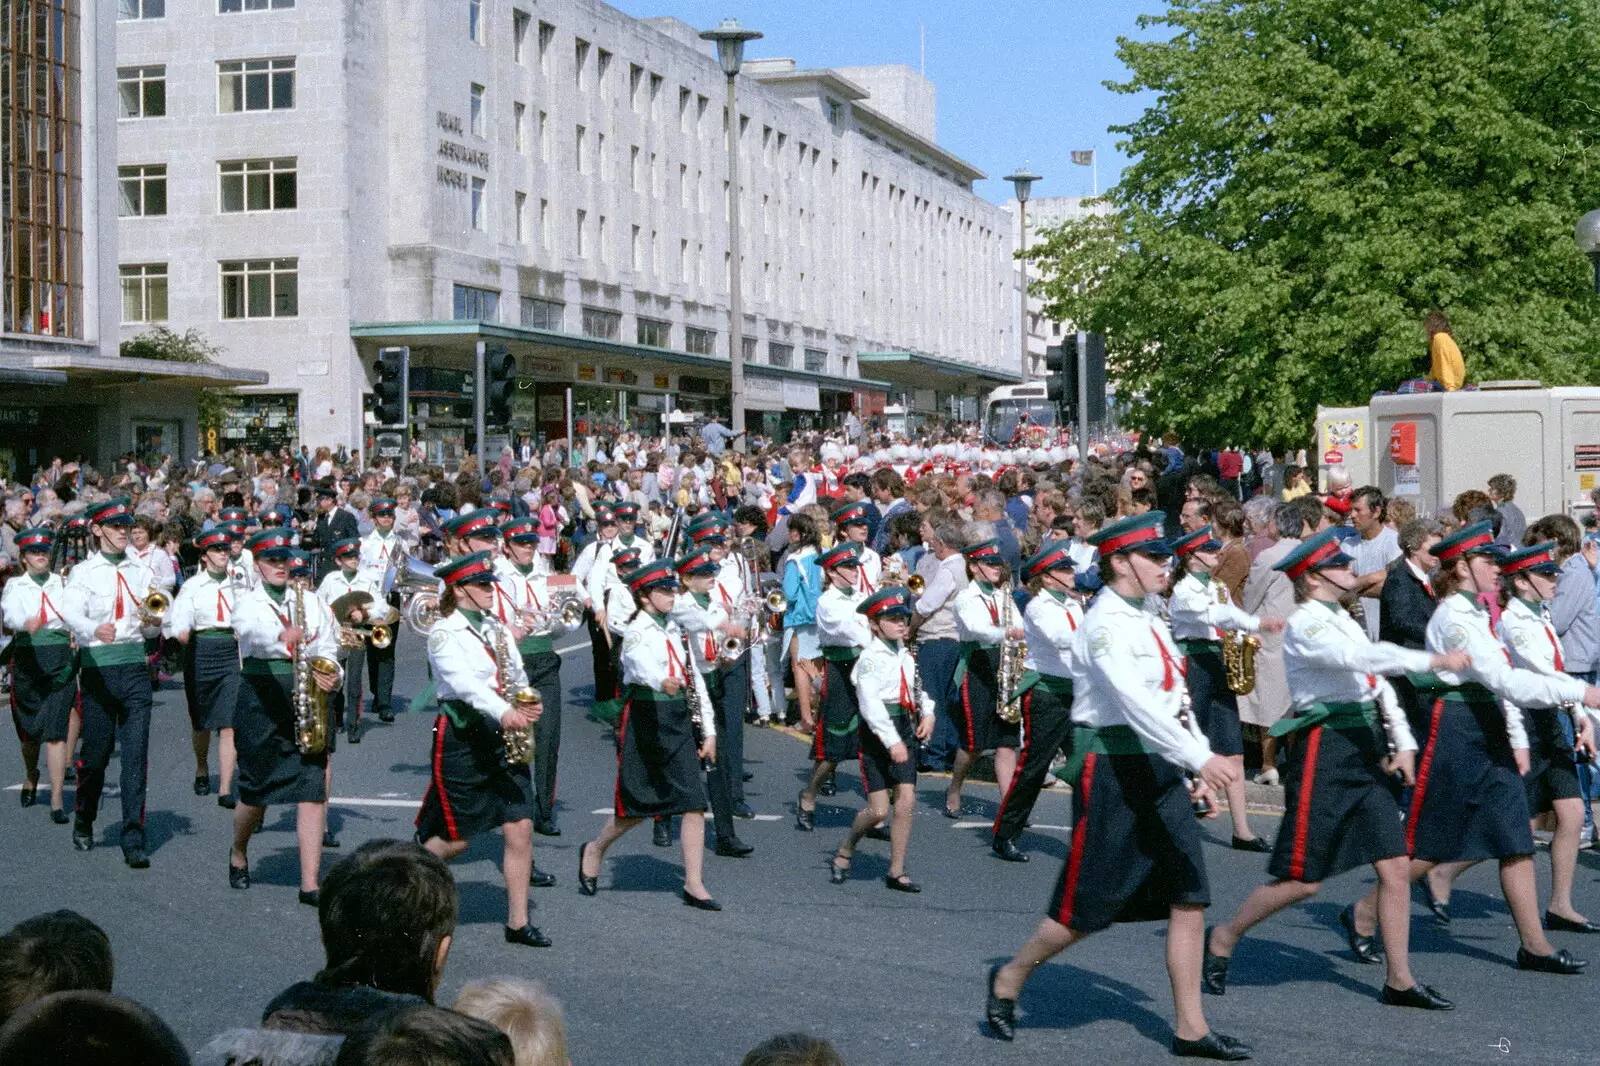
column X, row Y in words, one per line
column 427, row 1036
column 89, row 1029
column 793, row 1049
column 384, row 912
column 57, row 952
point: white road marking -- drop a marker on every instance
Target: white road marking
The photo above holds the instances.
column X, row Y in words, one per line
column 361, row 801
column 573, row 647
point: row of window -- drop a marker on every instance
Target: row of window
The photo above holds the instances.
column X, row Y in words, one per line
column 129, row 10
column 250, row 288
column 242, row 85
column 242, row 185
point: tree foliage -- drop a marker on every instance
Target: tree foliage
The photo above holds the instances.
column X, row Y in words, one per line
column 1312, row 177
column 190, row 346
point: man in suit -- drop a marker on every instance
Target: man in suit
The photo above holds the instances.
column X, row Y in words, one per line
column 1407, row 602
column 333, row 524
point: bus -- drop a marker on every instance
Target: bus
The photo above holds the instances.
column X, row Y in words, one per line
column 1004, row 408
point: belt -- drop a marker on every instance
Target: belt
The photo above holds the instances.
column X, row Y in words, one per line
column 1190, row 647
column 1471, row 692
column 213, row 634
column 535, row 645
column 1106, row 740
column 1333, row 715
column 42, row 638
column 1061, row 686
column 645, row 694
column 254, row 667
column 841, row 653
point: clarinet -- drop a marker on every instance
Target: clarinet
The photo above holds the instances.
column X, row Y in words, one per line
column 691, row 699
column 1202, row 806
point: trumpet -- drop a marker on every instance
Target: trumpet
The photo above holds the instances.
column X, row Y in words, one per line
column 915, row 584
column 729, row 649
column 154, row 608
column 775, row 602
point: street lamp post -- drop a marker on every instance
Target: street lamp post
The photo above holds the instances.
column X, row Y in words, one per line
column 1022, row 181
column 730, row 38
column 1587, row 234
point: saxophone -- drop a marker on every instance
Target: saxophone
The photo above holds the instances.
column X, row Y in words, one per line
column 691, row 700
column 1009, row 673
column 1238, row 654
column 311, row 718
column 519, row 742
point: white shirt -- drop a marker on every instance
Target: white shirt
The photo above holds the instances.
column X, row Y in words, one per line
column 1127, row 670
column 1199, row 608
column 701, row 622
column 259, row 621
column 652, row 652
column 883, row 678
column 1050, row 626
column 981, row 616
column 98, row 591
column 1328, row 658
column 243, row 569
column 1369, row 557
column 377, row 551
column 869, row 575
column 593, row 568
column 464, row 666
column 25, row 599
column 204, row 602
column 163, row 576
column 839, row 624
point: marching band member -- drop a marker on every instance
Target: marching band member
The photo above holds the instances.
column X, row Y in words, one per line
column 708, row 623
column 241, row 565
column 1135, row 852
column 1050, row 625
column 628, row 535
column 850, row 525
column 347, row 576
column 142, row 548
column 474, row 788
column 590, row 571
column 889, row 696
column 1340, row 803
column 661, row 745
column 272, row 768
column 620, row 608
column 44, row 686
column 730, row 591
column 302, row 571
column 843, row 633
column 378, row 551
column 102, row 602
column 980, row 611
column 1469, row 802
column 1199, row 612
column 201, row 619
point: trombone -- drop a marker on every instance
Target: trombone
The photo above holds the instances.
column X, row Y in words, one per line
column 153, row 611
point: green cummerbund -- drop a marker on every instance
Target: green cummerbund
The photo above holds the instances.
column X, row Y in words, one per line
column 254, row 667
column 535, row 645
column 1195, row 647
column 213, row 634
column 841, row 653
column 646, row 694
column 124, row 654
column 1333, row 715
column 44, row 638
column 1432, row 687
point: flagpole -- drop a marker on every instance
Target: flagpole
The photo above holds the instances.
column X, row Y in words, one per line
column 1094, row 166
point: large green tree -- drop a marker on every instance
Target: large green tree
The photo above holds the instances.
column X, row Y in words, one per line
column 1312, row 177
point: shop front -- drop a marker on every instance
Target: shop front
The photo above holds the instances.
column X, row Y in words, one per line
column 255, row 422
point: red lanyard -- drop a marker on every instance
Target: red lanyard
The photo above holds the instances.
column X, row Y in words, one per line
column 222, row 604
column 674, row 664
column 44, row 602
column 994, row 609
column 861, row 579
column 122, row 586
column 905, row 692
column 1170, row 667
column 1555, row 645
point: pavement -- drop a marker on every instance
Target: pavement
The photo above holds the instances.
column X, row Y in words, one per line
column 891, row 979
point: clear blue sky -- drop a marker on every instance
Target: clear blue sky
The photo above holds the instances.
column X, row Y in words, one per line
column 1018, row 82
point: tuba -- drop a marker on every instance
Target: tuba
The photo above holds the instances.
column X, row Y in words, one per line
column 1009, row 673
column 311, row 717
column 519, row 742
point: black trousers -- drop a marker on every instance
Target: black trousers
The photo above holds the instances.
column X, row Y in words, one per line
column 347, row 702
column 718, row 785
column 1046, row 729
column 544, row 673
column 116, row 710
column 380, row 675
column 730, row 724
column 607, row 674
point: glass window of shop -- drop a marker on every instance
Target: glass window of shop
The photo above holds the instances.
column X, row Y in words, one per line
column 256, row 422
column 605, row 411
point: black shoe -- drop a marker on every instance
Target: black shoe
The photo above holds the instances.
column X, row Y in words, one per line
column 1561, row 962
column 1365, row 948
column 227, row 802
column 901, row 883
column 838, row 875
column 82, row 836
column 1419, row 995
column 202, row 785
column 1008, row 850
column 136, row 857
column 386, row 716
column 747, row 777
column 1214, row 970
column 312, row 898
column 952, row 813
column 329, row 840
column 661, row 833
column 732, row 848
column 804, row 820
column 1001, row 1014
column 528, row 936
column 1558, row 924
column 587, row 886
column 353, row 735
column 828, row 787
column 707, row 904
column 1440, row 909
column 539, row 879
column 30, row 795
column 743, row 810
column 238, row 876
column 877, row 832
column 1251, row 844
column 60, row 817
column 1211, row 1046
column 547, row 829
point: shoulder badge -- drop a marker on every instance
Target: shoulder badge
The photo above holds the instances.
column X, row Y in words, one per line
column 1100, row 643
column 866, row 666
column 437, row 640
column 1455, row 638
column 1519, row 638
column 1314, row 630
column 632, row 640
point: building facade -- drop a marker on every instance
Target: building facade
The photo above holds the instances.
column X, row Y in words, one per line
column 322, row 178
column 1043, row 214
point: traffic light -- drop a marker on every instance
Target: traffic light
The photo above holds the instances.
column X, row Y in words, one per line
column 392, row 392
column 499, row 384
column 1061, row 377
column 1094, row 372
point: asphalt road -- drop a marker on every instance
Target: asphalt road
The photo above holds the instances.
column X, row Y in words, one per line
column 890, row 979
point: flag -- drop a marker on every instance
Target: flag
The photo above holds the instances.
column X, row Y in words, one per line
column 1083, row 159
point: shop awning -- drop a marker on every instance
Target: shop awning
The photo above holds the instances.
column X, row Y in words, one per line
column 76, row 368
column 914, row 370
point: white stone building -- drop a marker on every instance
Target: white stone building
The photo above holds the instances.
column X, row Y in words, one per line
column 548, row 174
column 1043, row 213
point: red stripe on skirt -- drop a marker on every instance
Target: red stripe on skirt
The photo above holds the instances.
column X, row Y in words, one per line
column 1423, row 770
column 622, row 735
column 1022, row 757
column 440, row 725
column 966, row 705
column 1080, row 831
column 1302, row 817
column 822, row 717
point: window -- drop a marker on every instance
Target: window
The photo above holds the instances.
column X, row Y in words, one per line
column 480, row 211
column 144, row 190
column 520, row 21
column 577, row 146
column 541, row 314
column 598, row 322
column 747, row 346
column 258, row 185
column 635, row 78
column 547, row 37
column 580, row 56
column 683, row 260
column 816, row 360
column 476, row 111
column 656, row 81
column 544, row 135
column 471, row 303
column 255, row 85
column 260, row 288
column 634, row 256
column 475, row 20
column 141, row 9
column 655, row 333
column 144, row 292
column 684, row 96
column 633, row 168
column 835, row 112
column 522, row 216
column 779, row 354
column 699, row 341
column 600, row 156
column 142, row 92
column 519, row 119
column 600, row 241
column 230, row 7
column 582, row 243
column 602, row 63
column 544, row 224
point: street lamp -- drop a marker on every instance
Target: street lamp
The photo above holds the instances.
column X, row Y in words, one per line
column 1022, row 181
column 730, row 38
column 1588, row 237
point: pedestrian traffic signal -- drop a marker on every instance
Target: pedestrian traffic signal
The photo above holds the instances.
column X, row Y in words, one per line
column 392, row 391
column 499, row 383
